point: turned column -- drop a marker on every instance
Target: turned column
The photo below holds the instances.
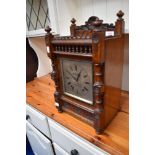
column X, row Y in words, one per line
column 98, row 50
column 54, row 75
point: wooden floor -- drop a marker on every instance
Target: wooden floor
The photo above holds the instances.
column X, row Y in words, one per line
column 115, row 138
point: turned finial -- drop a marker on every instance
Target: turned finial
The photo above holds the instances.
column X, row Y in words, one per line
column 73, row 21
column 48, row 29
column 120, row 14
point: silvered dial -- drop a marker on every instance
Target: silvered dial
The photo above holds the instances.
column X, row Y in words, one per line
column 77, row 79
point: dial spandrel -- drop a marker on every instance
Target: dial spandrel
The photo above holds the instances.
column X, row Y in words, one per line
column 77, row 79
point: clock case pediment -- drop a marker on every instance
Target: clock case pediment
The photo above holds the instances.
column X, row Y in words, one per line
column 89, row 43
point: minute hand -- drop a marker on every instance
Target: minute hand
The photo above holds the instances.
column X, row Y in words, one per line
column 78, row 76
column 71, row 75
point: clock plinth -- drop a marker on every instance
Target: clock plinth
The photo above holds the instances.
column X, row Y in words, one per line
column 87, row 70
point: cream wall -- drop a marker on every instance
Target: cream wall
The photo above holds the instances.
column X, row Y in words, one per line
column 81, row 10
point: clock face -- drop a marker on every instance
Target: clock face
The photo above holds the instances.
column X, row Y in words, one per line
column 77, row 79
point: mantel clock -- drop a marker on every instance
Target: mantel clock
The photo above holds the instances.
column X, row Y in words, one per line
column 87, row 70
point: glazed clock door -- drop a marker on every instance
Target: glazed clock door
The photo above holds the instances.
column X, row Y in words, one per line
column 77, row 79
column 39, row 143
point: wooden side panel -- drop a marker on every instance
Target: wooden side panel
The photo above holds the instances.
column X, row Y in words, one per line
column 114, row 62
column 125, row 78
column 113, row 77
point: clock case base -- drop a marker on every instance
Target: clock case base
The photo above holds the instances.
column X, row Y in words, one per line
column 88, row 42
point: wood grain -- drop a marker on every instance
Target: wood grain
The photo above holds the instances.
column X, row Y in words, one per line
column 39, row 94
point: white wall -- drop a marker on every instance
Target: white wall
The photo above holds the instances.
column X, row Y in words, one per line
column 81, row 10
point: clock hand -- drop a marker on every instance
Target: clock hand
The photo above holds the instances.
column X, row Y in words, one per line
column 71, row 75
column 78, row 76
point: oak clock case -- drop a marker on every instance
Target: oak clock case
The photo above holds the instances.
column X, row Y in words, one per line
column 87, row 70
column 77, row 80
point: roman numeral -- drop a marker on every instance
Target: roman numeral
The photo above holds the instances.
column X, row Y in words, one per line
column 85, row 88
column 69, row 83
column 86, row 82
